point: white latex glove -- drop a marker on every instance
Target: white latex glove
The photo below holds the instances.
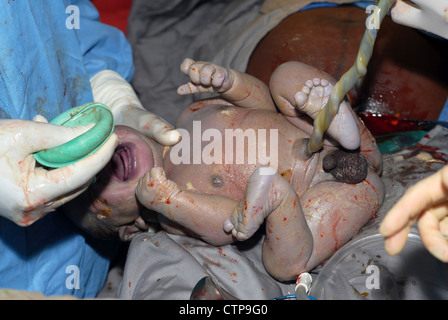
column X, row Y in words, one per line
column 428, row 15
column 112, row 90
column 28, row 192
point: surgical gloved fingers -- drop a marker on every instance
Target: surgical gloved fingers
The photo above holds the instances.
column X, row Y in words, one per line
column 435, row 5
column 167, row 137
column 160, row 130
column 425, row 15
column 39, row 118
column 36, row 136
column 63, row 181
column 39, row 204
column 53, row 205
column 405, row 13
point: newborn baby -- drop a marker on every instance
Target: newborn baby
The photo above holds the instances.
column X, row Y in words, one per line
column 311, row 204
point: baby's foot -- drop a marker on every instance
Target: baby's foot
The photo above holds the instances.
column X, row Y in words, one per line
column 344, row 127
column 262, row 196
column 313, row 96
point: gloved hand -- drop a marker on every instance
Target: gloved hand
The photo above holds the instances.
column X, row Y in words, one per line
column 428, row 15
column 110, row 89
column 427, row 203
column 28, row 192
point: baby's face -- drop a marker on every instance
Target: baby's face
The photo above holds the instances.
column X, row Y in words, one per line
column 109, row 205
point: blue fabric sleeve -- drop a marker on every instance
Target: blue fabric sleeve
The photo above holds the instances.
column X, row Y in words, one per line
column 54, row 257
column 45, row 69
column 103, row 46
column 360, row 4
column 42, row 69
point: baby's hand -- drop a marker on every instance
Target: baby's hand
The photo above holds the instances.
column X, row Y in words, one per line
column 155, row 189
column 204, row 77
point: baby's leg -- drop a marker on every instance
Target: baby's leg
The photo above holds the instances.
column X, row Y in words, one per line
column 288, row 243
column 336, row 211
column 298, row 88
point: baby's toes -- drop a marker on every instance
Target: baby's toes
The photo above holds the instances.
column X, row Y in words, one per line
column 324, row 82
column 317, row 92
column 316, row 82
column 228, row 226
column 241, row 236
column 301, row 98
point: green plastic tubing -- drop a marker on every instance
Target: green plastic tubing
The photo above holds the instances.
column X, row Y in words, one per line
column 86, row 143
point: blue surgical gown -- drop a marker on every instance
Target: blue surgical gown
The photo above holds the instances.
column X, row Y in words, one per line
column 49, row 49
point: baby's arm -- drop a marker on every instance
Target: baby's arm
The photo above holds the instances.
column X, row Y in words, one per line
column 195, row 214
column 241, row 89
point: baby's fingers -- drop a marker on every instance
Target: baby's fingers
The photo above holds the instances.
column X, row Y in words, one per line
column 185, row 65
column 190, row 88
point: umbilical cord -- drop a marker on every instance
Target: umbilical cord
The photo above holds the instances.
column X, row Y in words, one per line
column 355, row 74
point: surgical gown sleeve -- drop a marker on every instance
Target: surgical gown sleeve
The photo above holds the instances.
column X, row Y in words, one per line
column 45, row 68
column 103, row 47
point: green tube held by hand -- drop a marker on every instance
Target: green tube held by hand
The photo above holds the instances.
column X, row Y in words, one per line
column 86, row 143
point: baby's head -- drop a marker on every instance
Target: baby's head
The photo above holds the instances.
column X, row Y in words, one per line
column 109, row 206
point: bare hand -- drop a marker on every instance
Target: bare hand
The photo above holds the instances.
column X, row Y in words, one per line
column 427, row 203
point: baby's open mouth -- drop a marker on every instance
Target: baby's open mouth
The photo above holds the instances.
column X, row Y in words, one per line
column 122, row 164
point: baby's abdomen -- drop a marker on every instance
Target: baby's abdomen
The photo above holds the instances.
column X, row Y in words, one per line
column 222, row 145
